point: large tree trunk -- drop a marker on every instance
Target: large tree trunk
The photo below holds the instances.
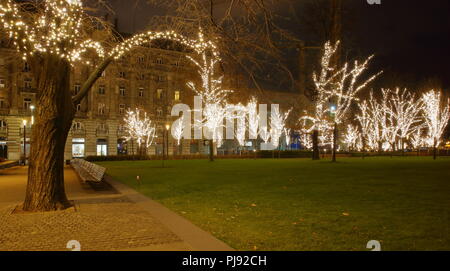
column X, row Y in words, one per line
column 315, row 141
column 435, row 149
column 54, row 114
column 211, row 151
column 335, row 135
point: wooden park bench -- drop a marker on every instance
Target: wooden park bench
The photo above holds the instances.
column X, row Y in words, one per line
column 88, row 172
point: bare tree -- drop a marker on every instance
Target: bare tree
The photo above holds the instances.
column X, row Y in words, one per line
column 247, row 33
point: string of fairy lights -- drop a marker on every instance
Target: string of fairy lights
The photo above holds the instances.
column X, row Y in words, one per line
column 58, row 30
column 139, row 128
column 57, row 27
column 397, row 119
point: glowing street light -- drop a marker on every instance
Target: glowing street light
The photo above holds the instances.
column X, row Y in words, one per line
column 32, row 114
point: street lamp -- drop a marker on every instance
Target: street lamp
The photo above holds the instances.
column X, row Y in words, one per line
column 167, row 139
column 24, row 122
column 335, row 132
column 164, row 143
column 32, row 114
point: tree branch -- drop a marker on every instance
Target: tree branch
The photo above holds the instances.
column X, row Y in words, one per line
column 93, row 77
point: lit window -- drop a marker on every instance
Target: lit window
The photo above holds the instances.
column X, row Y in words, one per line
column 101, row 108
column 78, row 147
column 26, row 103
column 77, row 88
column 121, row 109
column 77, row 126
column 177, row 95
column 27, row 83
column 159, row 93
column 2, row 83
column 122, row 91
column 26, row 67
column 102, row 147
column 101, row 90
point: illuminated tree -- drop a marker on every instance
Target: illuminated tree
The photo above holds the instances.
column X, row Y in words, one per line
column 51, row 36
column 336, row 89
column 287, row 135
column 305, row 133
column 352, row 138
column 214, row 99
column 253, row 118
column 436, row 118
column 387, row 123
column 264, row 133
column 404, row 111
column 277, row 124
column 417, row 140
column 140, row 129
column 241, row 127
column 178, row 129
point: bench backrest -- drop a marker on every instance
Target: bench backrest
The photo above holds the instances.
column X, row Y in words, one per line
column 94, row 170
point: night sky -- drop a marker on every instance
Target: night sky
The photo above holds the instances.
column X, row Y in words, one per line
column 410, row 38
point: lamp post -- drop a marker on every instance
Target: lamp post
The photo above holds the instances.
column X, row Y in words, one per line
column 166, row 130
column 335, row 133
column 167, row 140
column 24, row 122
column 32, row 114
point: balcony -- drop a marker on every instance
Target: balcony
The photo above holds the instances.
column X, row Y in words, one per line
column 4, row 111
column 81, row 132
column 80, row 114
column 103, row 115
column 101, row 132
column 25, row 112
column 28, row 90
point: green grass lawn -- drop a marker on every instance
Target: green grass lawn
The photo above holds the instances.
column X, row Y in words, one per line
column 299, row 204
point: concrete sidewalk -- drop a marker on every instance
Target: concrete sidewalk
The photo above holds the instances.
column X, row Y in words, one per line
column 118, row 218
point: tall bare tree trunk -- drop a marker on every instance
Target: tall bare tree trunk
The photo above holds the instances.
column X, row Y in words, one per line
column 435, row 149
column 315, row 141
column 211, row 151
column 335, row 135
column 54, row 114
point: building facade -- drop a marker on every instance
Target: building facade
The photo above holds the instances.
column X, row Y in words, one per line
column 150, row 79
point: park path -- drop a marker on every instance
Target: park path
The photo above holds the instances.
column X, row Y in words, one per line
column 116, row 218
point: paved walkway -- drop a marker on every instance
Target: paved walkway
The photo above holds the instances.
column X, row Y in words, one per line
column 118, row 218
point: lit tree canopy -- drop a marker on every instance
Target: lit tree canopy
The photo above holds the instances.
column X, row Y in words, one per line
column 139, row 128
column 336, row 88
column 338, row 85
column 436, row 116
column 59, row 27
column 213, row 96
column 52, row 35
